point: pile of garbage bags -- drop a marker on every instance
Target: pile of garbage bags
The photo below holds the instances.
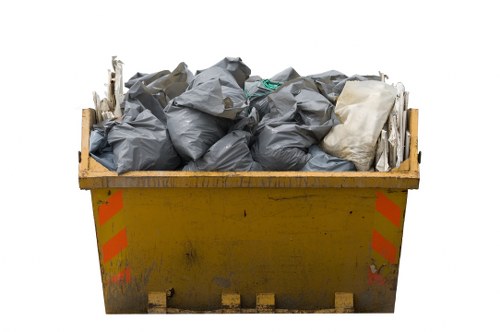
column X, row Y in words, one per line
column 223, row 119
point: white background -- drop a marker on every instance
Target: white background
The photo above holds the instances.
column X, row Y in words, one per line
column 53, row 55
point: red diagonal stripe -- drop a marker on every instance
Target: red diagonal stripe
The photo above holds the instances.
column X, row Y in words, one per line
column 111, row 207
column 385, row 248
column 114, row 246
column 388, row 209
column 123, row 275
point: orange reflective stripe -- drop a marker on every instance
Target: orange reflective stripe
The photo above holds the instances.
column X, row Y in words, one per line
column 110, row 207
column 114, row 246
column 385, row 248
column 388, row 209
column 123, row 275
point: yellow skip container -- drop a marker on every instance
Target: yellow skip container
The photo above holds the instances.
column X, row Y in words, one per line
column 298, row 236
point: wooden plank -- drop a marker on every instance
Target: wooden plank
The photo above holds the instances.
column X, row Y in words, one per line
column 157, row 302
column 231, row 302
column 253, row 311
column 88, row 118
column 265, row 302
column 180, row 179
column 404, row 167
column 344, row 302
column 414, row 166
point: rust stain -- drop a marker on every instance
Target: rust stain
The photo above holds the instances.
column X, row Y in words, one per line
column 290, row 197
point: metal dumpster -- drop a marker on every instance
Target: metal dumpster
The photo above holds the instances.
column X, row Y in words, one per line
column 301, row 236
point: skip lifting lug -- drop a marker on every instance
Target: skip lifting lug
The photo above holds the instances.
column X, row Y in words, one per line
column 419, row 158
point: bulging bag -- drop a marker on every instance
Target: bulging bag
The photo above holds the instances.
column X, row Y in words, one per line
column 362, row 108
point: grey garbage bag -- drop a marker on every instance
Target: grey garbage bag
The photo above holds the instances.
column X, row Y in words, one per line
column 256, row 92
column 362, row 108
column 230, row 153
column 301, row 103
column 327, row 82
column 203, row 114
column 213, row 98
column 246, row 121
column 257, row 89
column 233, row 96
column 145, row 78
column 331, row 83
column 100, row 149
column 192, row 131
column 170, row 85
column 237, row 68
column 282, row 147
column 139, row 97
column 285, row 75
column 321, row 161
column 299, row 117
column 142, row 143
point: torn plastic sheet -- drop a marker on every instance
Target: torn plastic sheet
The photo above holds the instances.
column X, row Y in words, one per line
column 230, row 153
column 382, row 156
column 397, row 128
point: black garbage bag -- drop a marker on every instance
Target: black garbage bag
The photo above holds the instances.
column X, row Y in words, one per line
column 236, row 68
column 299, row 117
column 247, row 121
column 142, row 143
column 138, row 98
column 327, row 82
column 233, row 96
column 193, row 131
column 230, row 153
column 321, row 161
column 145, row 78
column 285, row 75
column 313, row 109
column 300, row 102
column 214, row 98
column 170, row 85
column 203, row 114
column 100, row 149
column 331, row 83
column 283, row 146
column 257, row 89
